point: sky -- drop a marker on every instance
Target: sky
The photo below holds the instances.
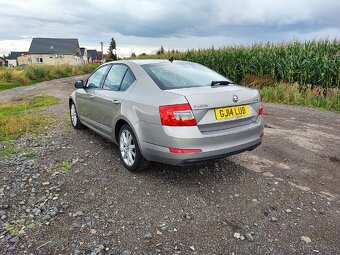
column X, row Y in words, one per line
column 144, row 25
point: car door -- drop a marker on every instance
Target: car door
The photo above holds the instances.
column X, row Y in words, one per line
column 115, row 88
column 86, row 99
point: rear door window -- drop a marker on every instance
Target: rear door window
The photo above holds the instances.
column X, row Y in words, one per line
column 114, row 77
column 119, row 78
column 96, row 78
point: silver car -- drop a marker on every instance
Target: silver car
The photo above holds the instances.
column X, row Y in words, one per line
column 169, row 111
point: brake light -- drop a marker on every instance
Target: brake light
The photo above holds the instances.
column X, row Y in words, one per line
column 177, row 115
column 174, row 150
column 262, row 134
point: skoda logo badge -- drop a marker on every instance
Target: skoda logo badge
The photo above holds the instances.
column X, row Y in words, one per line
column 235, row 98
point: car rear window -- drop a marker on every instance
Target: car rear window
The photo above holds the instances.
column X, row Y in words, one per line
column 174, row 75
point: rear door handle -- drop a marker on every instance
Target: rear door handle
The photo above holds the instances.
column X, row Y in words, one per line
column 116, row 101
column 91, row 96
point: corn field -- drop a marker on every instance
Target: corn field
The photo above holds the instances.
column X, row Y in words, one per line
column 314, row 62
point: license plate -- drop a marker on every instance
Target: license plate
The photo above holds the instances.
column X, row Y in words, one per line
column 231, row 112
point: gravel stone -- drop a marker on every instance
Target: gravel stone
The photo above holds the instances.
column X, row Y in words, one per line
column 14, row 239
column 148, row 236
column 306, row 239
column 237, row 235
column 249, row 237
column 114, row 208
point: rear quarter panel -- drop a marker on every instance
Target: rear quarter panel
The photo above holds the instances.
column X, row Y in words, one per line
column 142, row 103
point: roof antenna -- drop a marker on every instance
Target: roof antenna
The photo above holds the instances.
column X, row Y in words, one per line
column 171, row 59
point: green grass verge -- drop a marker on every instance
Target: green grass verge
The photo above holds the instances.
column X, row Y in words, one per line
column 11, row 85
column 292, row 95
column 17, row 118
column 28, row 75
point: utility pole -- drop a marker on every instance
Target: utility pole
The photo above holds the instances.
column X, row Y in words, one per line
column 101, row 46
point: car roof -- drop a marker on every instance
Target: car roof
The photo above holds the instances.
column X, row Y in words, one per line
column 141, row 62
column 148, row 61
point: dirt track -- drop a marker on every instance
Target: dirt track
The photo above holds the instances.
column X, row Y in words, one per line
column 278, row 197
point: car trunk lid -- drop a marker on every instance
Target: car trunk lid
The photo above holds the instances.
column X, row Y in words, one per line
column 204, row 100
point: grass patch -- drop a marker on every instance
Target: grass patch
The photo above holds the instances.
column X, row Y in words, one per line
column 17, row 118
column 19, row 227
column 11, row 85
column 7, row 151
column 65, row 166
column 30, row 154
column 327, row 99
column 23, row 76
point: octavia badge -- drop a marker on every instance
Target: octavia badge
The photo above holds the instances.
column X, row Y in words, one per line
column 235, row 98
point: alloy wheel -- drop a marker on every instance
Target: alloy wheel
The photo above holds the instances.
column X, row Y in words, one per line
column 74, row 117
column 127, row 148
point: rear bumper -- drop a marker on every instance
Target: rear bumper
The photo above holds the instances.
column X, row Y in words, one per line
column 157, row 140
column 200, row 160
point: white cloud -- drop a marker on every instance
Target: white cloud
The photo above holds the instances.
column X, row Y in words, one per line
column 14, row 45
column 174, row 24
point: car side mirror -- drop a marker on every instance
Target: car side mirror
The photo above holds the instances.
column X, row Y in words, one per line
column 79, row 84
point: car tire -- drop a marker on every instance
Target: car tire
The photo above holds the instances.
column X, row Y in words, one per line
column 76, row 124
column 129, row 150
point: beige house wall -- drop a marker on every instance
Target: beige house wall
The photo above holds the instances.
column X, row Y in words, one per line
column 24, row 60
column 53, row 59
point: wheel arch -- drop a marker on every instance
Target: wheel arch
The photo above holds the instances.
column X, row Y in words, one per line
column 118, row 126
column 119, row 123
column 70, row 101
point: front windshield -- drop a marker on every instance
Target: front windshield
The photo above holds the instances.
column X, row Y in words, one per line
column 181, row 75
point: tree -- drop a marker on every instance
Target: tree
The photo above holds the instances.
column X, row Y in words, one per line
column 112, row 48
column 161, row 51
column 133, row 55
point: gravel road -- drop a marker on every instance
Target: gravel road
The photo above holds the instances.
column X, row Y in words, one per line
column 75, row 197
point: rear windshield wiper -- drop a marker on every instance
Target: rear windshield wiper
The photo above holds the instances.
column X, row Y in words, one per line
column 220, row 83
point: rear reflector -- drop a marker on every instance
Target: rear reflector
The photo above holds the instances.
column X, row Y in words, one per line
column 262, row 134
column 174, row 150
column 261, row 107
column 177, row 115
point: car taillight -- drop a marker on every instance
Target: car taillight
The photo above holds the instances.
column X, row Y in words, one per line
column 177, row 115
column 261, row 134
column 174, row 150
